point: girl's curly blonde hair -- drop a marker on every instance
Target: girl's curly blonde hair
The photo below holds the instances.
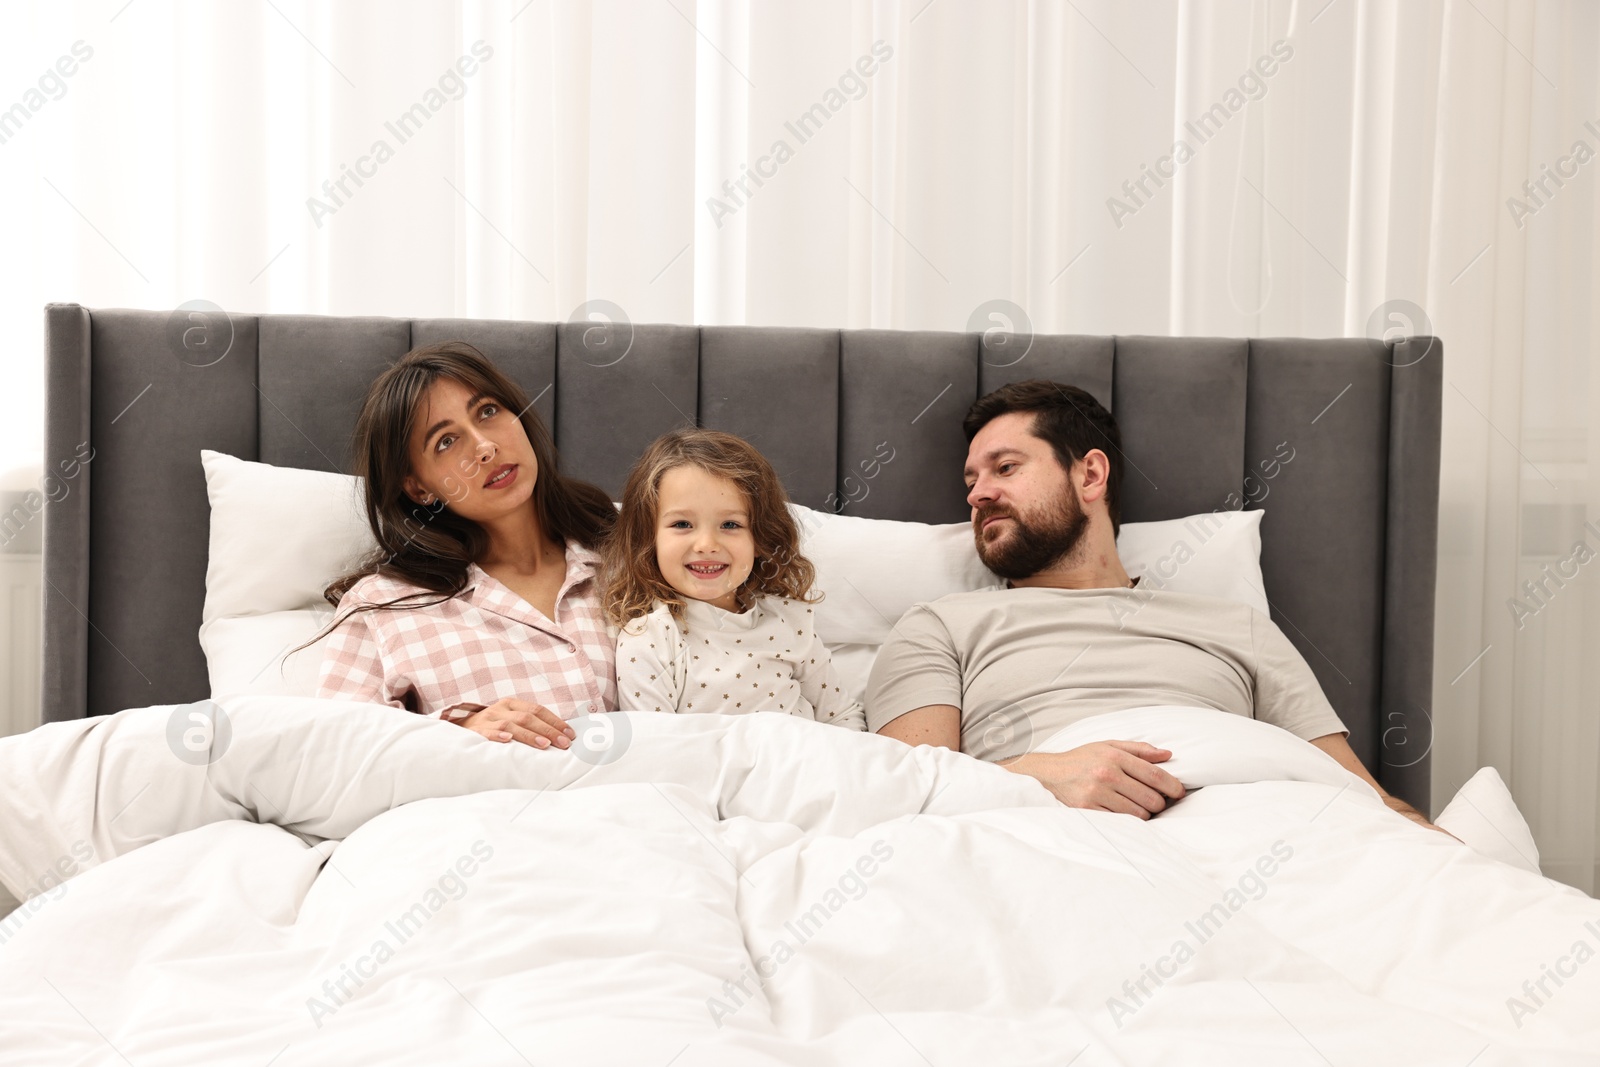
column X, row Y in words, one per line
column 629, row 571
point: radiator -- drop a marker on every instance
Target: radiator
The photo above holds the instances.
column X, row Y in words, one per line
column 21, row 611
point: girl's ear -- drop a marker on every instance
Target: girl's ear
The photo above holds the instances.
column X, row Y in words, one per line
column 415, row 491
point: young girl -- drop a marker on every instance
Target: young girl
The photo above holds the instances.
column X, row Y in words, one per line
column 705, row 579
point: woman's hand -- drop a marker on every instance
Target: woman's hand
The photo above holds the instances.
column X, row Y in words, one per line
column 520, row 720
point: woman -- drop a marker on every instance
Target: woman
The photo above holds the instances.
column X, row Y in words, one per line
column 481, row 604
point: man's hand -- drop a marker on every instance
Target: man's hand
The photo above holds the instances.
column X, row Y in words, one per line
column 520, row 720
column 1397, row 805
column 1119, row 776
column 1107, row 775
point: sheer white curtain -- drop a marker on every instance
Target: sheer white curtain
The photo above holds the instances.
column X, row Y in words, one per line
column 936, row 154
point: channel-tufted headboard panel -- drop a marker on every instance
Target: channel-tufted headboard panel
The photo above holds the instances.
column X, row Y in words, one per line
column 1349, row 534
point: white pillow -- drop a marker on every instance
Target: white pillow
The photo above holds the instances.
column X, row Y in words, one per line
column 251, row 654
column 279, row 535
column 1214, row 553
column 873, row 570
column 854, row 664
column 1484, row 817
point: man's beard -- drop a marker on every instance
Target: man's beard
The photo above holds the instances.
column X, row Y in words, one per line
column 1034, row 543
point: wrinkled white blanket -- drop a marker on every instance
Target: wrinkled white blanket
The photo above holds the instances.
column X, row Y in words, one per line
column 347, row 884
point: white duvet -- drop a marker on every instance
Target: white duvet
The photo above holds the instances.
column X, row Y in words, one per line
column 348, row 884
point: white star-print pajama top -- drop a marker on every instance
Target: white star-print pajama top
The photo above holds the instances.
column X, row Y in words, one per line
column 768, row 658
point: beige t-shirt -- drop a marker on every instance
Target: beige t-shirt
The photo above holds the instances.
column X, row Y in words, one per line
column 1021, row 664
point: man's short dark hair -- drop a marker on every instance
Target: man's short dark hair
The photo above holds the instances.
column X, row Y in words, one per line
column 1072, row 421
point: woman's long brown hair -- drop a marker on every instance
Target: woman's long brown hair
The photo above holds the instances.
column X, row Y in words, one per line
column 432, row 547
column 633, row 581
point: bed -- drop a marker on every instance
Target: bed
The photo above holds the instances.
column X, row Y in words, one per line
column 332, row 882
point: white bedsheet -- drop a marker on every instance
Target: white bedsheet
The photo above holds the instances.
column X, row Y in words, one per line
column 347, row 884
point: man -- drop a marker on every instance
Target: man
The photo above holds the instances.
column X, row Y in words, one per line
column 1069, row 637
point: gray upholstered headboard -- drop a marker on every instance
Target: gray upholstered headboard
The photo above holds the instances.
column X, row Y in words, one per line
column 1349, row 534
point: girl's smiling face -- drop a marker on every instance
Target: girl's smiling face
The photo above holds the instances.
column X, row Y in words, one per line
column 703, row 542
